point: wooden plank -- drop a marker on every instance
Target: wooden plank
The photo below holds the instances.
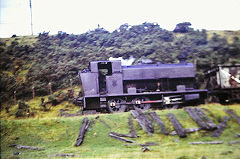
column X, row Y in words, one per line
column 122, row 135
column 233, row 115
column 196, row 118
column 145, row 149
column 191, row 130
column 187, row 130
column 211, row 125
column 234, row 142
column 113, row 135
column 220, row 127
column 83, row 129
column 104, row 123
column 177, row 125
column 27, row 147
column 131, row 128
column 160, row 123
column 64, row 155
column 206, row 142
column 132, row 133
column 143, row 145
column 149, row 144
column 143, row 120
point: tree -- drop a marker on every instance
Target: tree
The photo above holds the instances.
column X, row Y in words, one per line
column 182, row 27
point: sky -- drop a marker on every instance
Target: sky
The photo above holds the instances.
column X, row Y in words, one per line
column 80, row 16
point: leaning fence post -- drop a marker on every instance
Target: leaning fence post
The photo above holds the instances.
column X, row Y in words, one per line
column 33, row 92
column 50, row 87
column 14, row 97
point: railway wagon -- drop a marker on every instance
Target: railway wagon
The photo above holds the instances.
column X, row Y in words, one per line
column 223, row 83
column 107, row 85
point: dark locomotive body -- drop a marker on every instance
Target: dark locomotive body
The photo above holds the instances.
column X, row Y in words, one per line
column 223, row 83
column 109, row 85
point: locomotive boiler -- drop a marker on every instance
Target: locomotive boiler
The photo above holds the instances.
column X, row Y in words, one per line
column 107, row 85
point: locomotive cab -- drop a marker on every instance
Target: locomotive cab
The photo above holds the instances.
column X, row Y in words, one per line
column 104, row 77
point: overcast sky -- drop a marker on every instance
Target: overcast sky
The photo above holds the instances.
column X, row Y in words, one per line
column 79, row 16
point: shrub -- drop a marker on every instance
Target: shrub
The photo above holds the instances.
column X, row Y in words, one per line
column 23, row 110
column 53, row 100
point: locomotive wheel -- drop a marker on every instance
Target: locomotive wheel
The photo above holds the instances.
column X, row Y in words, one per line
column 137, row 103
column 116, row 105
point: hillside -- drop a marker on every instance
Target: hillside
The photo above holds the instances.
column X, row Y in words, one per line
column 57, row 135
column 36, row 61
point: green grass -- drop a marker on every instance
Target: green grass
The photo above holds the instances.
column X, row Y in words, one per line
column 229, row 35
column 37, row 109
column 58, row 135
column 22, row 40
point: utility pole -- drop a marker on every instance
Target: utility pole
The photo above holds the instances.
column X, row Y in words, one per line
column 30, row 2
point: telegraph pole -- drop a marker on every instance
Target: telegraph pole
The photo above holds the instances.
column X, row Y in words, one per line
column 30, row 2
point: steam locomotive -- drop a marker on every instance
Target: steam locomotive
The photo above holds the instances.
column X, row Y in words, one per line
column 107, row 85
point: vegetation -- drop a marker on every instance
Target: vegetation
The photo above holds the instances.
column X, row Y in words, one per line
column 23, row 109
column 51, row 63
column 44, row 106
column 58, row 135
column 38, row 76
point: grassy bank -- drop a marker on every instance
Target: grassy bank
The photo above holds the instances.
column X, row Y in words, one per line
column 58, row 135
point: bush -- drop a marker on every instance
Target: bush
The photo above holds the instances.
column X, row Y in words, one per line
column 182, row 27
column 23, row 110
column 61, row 97
column 53, row 100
